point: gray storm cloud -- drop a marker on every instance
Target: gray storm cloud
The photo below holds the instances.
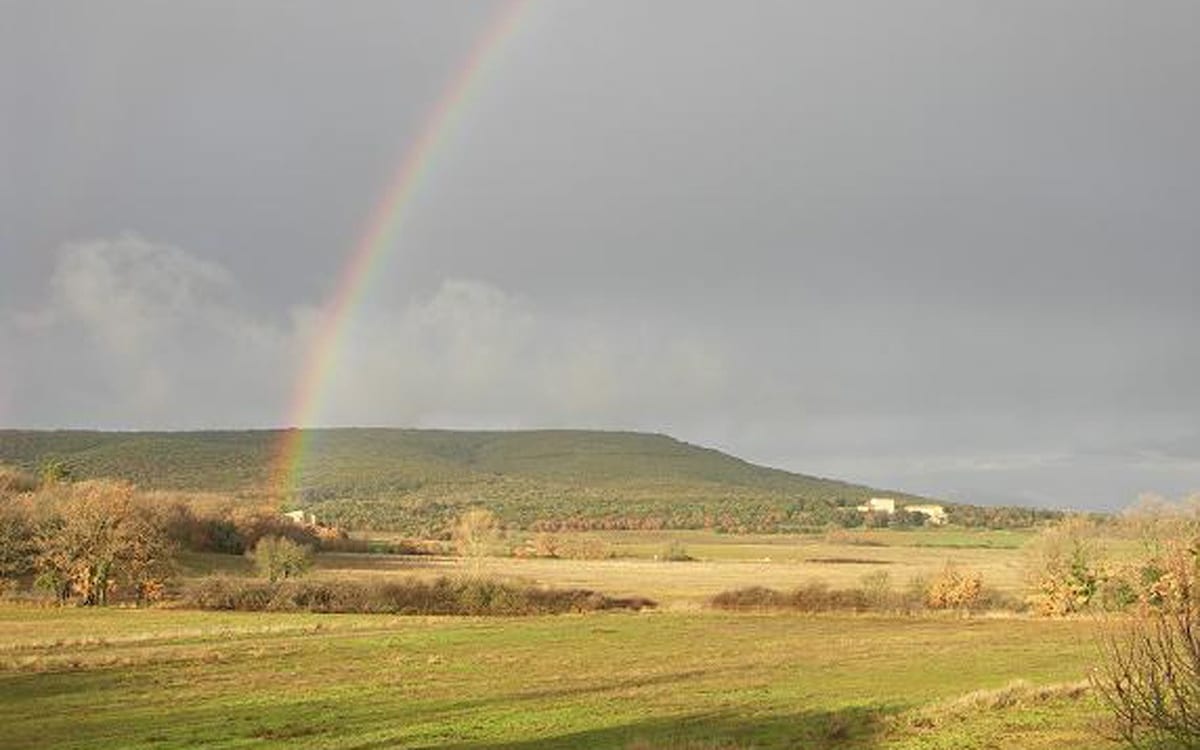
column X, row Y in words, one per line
column 943, row 246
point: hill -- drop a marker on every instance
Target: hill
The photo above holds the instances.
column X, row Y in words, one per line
column 416, row 480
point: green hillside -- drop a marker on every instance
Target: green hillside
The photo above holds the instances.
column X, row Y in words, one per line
column 416, row 480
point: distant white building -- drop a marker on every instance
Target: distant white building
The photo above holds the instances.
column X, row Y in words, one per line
column 934, row 514
column 879, row 505
column 301, row 517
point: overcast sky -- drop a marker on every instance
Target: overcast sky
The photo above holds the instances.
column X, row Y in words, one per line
column 950, row 247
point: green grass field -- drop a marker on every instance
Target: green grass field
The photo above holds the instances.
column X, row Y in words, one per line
column 73, row 678
column 684, row 676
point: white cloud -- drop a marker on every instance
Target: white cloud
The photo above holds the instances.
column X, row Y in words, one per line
column 129, row 291
column 136, row 333
column 143, row 334
column 471, row 354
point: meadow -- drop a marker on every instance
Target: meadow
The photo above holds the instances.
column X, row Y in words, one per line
column 161, row 678
column 680, row 676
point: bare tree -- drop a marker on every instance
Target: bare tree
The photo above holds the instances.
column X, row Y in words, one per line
column 1150, row 673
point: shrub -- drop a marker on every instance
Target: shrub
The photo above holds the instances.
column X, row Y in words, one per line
column 952, row 589
column 1065, row 567
column 877, row 589
column 18, row 544
column 1150, row 671
column 812, row 597
column 98, row 538
column 955, row 589
column 278, row 557
column 754, row 597
column 676, row 552
column 15, row 481
column 475, row 533
column 442, row 596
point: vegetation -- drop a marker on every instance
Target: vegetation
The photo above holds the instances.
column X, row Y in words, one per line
column 663, row 680
column 1150, row 674
column 92, row 542
column 442, row 596
column 86, row 542
column 953, row 589
column 421, row 481
column 279, row 558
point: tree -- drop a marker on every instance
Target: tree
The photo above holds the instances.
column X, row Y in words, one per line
column 97, row 538
column 475, row 533
column 147, row 557
column 278, row 557
column 55, row 471
column 1065, row 567
column 18, row 548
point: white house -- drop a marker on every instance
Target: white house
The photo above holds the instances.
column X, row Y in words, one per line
column 302, row 517
column 934, row 514
column 879, row 505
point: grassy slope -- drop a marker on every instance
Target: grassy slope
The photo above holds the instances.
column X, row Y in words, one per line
column 166, row 679
column 526, row 475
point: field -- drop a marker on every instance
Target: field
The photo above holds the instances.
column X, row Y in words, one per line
column 164, row 679
column 726, row 561
column 684, row 676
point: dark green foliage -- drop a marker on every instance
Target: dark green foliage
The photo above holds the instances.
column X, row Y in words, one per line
column 443, row 596
column 420, row 481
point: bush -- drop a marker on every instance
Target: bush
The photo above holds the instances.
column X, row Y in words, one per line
column 952, row 589
column 98, row 538
column 1150, row 671
column 812, row 597
column 754, row 597
column 278, row 557
column 955, row 589
column 16, row 482
column 442, row 596
column 676, row 552
column 1065, row 567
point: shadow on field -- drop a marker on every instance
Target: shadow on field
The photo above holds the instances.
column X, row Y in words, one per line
column 854, row 727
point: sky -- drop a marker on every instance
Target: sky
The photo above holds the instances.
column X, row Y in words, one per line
column 945, row 246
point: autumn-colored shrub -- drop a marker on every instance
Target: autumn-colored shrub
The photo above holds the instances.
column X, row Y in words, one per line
column 14, row 481
column 955, row 588
column 96, row 539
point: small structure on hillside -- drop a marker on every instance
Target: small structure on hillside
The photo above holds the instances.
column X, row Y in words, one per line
column 879, row 505
column 934, row 514
column 301, row 517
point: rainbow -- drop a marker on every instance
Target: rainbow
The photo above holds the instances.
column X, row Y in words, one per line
column 381, row 237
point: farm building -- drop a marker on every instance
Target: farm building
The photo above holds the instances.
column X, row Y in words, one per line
column 934, row 514
column 879, row 505
column 302, row 517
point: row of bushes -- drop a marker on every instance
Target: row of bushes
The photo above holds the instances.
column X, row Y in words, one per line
column 952, row 589
column 442, row 596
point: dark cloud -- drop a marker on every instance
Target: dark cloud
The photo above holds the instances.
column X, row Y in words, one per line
column 944, row 246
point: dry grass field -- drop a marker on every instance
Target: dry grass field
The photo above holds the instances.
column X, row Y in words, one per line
column 726, row 562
